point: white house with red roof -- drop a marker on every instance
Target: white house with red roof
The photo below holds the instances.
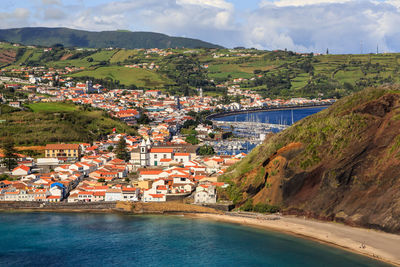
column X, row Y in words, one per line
column 130, row 194
column 145, row 174
column 205, row 194
column 154, row 197
column 157, row 193
column 156, row 154
column 21, row 170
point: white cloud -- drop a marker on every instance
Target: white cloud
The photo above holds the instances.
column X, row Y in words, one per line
column 21, row 13
column 221, row 4
column 51, row 2
column 285, row 3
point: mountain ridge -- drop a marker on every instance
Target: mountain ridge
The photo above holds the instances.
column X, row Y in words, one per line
column 47, row 36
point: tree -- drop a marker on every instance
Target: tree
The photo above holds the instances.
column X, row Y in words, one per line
column 121, row 151
column 10, row 156
column 206, row 150
column 4, row 177
column 101, row 180
column 143, row 119
column 110, row 148
column 191, row 139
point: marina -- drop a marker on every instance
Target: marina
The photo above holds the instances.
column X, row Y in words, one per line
column 250, row 129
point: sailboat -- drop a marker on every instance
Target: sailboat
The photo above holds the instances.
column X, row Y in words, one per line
column 292, row 118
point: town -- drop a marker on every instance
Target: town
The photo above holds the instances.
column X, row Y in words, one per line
column 171, row 157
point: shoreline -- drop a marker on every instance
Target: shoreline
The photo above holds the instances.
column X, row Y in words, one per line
column 381, row 246
column 338, row 235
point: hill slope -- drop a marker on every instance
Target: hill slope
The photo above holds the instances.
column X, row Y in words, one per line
column 341, row 164
column 122, row 39
column 57, row 122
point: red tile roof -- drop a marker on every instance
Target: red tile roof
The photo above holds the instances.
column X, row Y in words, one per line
column 161, row 150
column 62, row 146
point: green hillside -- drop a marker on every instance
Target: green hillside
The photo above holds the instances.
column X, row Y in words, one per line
column 44, row 123
column 77, row 38
column 126, row 76
column 276, row 74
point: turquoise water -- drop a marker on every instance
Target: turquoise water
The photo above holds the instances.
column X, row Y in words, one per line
column 56, row 239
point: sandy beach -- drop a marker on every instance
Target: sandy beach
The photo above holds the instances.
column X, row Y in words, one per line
column 371, row 243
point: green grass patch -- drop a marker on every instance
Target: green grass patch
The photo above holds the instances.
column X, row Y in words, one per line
column 52, row 107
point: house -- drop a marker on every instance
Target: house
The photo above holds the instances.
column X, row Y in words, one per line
column 153, row 93
column 99, row 196
column 58, row 189
column 154, row 197
column 15, row 104
column 85, row 196
column 130, row 194
column 156, row 154
column 73, row 198
column 182, row 157
column 53, row 199
column 67, row 151
column 144, row 184
column 21, row 170
column 113, row 195
column 205, row 194
column 41, row 194
column 77, row 167
column 152, row 174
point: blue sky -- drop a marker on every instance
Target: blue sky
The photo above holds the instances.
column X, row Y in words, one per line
column 299, row 25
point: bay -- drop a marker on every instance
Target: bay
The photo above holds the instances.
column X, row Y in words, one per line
column 74, row 239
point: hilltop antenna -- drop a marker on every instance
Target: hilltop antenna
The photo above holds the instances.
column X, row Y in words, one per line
column 377, row 49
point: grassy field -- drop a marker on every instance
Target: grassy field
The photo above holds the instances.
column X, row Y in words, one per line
column 123, row 55
column 127, row 76
column 58, row 122
column 52, row 107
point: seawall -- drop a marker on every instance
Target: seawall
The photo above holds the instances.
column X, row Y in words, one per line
column 60, row 206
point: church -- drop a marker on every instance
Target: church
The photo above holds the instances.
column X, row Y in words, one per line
column 148, row 155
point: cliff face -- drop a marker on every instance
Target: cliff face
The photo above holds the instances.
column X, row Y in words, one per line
column 341, row 164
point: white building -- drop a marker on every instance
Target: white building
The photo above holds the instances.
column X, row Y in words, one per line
column 114, row 195
column 206, row 194
column 156, row 154
column 21, row 170
column 182, row 157
column 130, row 194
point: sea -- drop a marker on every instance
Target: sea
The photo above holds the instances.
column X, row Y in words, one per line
column 74, row 239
